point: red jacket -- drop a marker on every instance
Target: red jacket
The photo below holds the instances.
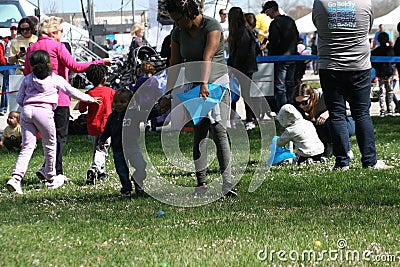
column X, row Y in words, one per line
column 3, row 60
column 98, row 114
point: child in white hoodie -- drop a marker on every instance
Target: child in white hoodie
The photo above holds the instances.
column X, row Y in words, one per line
column 38, row 97
column 302, row 133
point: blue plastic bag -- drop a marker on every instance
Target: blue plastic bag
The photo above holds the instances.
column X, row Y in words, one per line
column 199, row 107
column 278, row 154
column 235, row 89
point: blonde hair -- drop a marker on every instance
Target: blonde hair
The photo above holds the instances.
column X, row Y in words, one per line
column 15, row 114
column 50, row 25
column 136, row 27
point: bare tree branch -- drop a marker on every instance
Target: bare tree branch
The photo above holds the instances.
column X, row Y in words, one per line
column 51, row 8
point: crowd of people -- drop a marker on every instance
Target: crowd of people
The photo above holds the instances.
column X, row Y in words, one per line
column 319, row 121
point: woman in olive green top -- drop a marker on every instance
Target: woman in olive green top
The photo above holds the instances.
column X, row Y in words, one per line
column 199, row 38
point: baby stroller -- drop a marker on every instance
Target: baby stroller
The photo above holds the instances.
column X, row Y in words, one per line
column 147, row 96
column 147, row 54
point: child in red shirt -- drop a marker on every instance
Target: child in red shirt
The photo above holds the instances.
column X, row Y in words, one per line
column 96, row 119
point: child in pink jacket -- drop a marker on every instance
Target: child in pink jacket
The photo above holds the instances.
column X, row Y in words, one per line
column 38, row 96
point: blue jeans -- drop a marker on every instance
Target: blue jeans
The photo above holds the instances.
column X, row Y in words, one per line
column 324, row 131
column 137, row 162
column 123, row 171
column 284, row 83
column 5, row 90
column 353, row 87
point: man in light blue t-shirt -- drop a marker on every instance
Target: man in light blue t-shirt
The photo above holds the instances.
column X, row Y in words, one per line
column 382, row 29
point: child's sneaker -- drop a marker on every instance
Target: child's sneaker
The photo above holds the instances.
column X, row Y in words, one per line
column 201, row 189
column 139, row 193
column 41, row 175
column 102, row 176
column 56, row 182
column 324, row 160
column 126, row 194
column 13, row 185
column 309, row 161
column 91, row 176
column 231, row 193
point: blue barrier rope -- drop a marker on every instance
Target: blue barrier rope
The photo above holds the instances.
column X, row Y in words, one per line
column 9, row 67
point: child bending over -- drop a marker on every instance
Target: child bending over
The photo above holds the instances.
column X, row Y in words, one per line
column 302, row 133
column 97, row 118
column 38, row 96
column 113, row 129
column 12, row 135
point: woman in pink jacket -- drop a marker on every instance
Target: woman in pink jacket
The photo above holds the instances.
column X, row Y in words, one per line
column 50, row 34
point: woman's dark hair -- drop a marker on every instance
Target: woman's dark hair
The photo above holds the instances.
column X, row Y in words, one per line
column 95, row 73
column 383, row 38
column 26, row 20
column 187, row 8
column 41, row 64
column 251, row 19
column 398, row 27
column 236, row 20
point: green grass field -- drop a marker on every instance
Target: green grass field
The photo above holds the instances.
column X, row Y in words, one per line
column 308, row 216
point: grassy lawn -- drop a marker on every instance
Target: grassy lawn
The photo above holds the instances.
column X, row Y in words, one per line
column 335, row 216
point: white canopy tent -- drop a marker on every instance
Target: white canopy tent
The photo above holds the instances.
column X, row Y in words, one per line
column 212, row 9
column 305, row 24
column 390, row 20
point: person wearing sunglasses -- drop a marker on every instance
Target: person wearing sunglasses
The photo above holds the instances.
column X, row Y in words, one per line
column 223, row 14
column 311, row 104
column 19, row 45
column 6, row 43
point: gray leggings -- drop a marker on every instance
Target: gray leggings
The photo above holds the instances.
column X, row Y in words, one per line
column 220, row 137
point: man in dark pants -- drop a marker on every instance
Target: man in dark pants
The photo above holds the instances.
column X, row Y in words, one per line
column 283, row 36
column 345, row 75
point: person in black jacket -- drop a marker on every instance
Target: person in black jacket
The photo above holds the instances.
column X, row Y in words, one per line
column 384, row 72
column 113, row 129
column 283, row 36
column 242, row 56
